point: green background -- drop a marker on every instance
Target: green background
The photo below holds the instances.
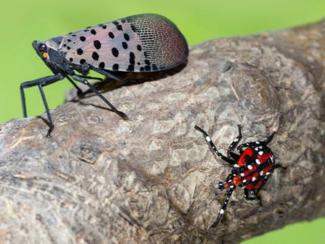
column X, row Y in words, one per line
column 200, row 20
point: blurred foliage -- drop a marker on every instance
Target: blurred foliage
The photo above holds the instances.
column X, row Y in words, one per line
column 23, row 21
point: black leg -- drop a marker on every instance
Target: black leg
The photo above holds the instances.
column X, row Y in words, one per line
column 105, row 73
column 50, row 122
column 90, row 77
column 269, row 139
column 253, row 195
column 224, row 206
column 40, row 83
column 233, row 145
column 79, row 91
column 213, row 148
column 85, row 81
column 279, row 166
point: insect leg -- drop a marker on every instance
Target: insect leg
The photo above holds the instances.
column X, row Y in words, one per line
column 269, row 139
column 75, row 85
column 105, row 73
column 90, row 77
column 224, row 206
column 50, row 122
column 79, row 91
column 40, row 83
column 213, row 148
column 277, row 166
column 85, row 81
column 233, row 145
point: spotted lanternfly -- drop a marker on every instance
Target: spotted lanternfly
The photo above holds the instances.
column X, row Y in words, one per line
column 250, row 169
column 140, row 43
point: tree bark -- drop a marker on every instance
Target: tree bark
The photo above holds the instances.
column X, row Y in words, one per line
column 151, row 179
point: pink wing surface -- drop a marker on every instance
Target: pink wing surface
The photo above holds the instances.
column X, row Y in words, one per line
column 140, row 43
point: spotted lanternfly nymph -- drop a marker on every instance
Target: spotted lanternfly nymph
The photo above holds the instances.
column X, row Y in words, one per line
column 250, row 168
column 140, row 43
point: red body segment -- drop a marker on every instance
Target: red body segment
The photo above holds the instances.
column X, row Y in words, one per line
column 254, row 167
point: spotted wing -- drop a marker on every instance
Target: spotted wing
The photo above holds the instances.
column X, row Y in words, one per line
column 140, row 43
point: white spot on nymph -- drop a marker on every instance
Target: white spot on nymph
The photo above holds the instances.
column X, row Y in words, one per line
column 257, row 142
column 260, row 153
column 256, row 148
column 244, row 181
column 242, row 174
column 236, row 165
column 262, row 172
column 260, row 147
column 222, row 211
column 208, row 138
column 257, row 161
column 232, row 187
column 250, row 167
column 229, row 180
column 268, row 173
column 253, row 179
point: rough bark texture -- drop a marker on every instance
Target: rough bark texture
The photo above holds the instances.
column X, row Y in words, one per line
column 151, row 179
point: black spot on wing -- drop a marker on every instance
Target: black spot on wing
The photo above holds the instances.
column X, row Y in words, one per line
column 95, row 56
column 132, row 58
column 154, row 67
column 115, row 67
column 126, row 37
column 115, row 52
column 101, row 65
column 111, row 34
column 97, row 44
column 124, row 45
column 80, row 51
column 130, row 68
column 117, row 25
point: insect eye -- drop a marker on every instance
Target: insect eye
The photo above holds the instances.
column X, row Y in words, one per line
column 42, row 48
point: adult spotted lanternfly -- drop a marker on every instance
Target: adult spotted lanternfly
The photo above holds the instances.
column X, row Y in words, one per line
column 250, row 169
column 140, row 43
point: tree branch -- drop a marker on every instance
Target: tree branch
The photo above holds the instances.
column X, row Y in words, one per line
column 152, row 179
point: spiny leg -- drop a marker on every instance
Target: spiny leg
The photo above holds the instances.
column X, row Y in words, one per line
column 85, row 81
column 233, row 145
column 212, row 147
column 224, row 205
column 40, row 83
